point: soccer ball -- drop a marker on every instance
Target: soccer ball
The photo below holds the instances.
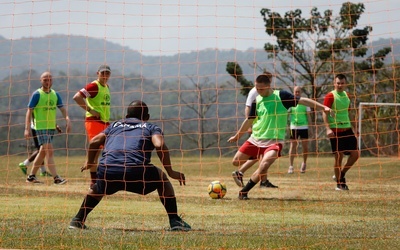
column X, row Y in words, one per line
column 217, row 190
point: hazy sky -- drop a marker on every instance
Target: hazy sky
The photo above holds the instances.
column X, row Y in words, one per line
column 156, row 27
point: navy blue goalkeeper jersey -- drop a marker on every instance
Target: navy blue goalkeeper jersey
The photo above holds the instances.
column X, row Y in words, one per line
column 128, row 143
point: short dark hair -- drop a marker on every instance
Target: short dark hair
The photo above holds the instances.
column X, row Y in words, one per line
column 340, row 76
column 265, row 78
column 138, row 109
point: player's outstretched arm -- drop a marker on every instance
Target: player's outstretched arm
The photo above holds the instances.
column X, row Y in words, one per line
column 163, row 155
column 316, row 105
column 246, row 124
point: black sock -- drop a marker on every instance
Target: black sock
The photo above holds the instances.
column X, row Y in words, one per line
column 170, row 206
column 248, row 186
column 88, row 204
column 342, row 174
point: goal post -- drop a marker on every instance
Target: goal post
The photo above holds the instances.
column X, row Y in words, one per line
column 360, row 116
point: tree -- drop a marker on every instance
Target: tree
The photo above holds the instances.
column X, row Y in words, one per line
column 198, row 113
column 236, row 72
column 310, row 50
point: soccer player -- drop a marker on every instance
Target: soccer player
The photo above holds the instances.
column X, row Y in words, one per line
column 238, row 174
column 95, row 99
column 24, row 165
column 269, row 129
column 300, row 119
column 43, row 105
column 125, row 164
column 340, row 132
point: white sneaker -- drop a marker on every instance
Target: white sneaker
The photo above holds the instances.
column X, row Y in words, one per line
column 290, row 170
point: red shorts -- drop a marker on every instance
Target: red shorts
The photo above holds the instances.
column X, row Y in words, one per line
column 254, row 151
column 94, row 128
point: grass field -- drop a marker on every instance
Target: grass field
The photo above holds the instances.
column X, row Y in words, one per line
column 305, row 212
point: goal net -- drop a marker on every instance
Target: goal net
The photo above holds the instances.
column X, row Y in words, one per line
column 193, row 63
column 378, row 129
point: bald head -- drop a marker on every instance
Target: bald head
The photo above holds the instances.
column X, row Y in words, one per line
column 297, row 91
column 45, row 74
column 47, row 81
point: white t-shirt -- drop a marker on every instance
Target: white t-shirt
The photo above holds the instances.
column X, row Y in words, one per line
column 251, row 97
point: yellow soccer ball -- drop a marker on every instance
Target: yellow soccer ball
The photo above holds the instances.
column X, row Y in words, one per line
column 217, row 190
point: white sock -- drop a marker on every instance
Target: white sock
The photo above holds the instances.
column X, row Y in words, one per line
column 26, row 162
column 42, row 169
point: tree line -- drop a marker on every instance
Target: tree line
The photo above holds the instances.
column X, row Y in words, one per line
column 311, row 50
column 198, row 113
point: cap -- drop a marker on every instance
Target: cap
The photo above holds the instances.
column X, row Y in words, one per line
column 103, row 68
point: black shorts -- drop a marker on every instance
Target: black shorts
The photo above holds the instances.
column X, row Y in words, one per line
column 344, row 142
column 299, row 133
column 140, row 180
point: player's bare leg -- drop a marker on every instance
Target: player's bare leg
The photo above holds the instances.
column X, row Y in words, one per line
column 304, row 145
column 267, row 160
column 292, row 155
column 239, row 160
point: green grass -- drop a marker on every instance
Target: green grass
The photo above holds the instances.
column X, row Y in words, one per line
column 304, row 213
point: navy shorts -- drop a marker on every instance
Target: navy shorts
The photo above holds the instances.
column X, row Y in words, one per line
column 344, row 142
column 139, row 179
column 299, row 133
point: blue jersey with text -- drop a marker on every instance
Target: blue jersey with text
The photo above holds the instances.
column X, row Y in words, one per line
column 128, row 143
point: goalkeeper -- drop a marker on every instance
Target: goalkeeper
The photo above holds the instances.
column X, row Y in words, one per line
column 125, row 165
